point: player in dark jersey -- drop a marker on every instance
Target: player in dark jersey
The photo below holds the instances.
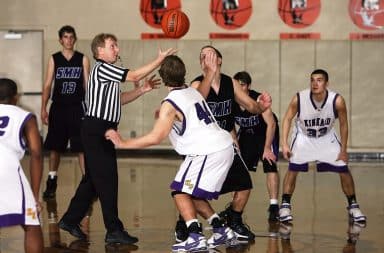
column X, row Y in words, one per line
column 221, row 94
column 68, row 70
column 258, row 136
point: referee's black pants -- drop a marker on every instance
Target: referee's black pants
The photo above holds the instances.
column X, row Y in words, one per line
column 101, row 178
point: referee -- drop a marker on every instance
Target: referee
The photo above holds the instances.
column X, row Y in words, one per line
column 104, row 100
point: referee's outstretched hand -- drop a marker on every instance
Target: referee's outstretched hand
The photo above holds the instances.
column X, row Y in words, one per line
column 150, row 84
column 163, row 54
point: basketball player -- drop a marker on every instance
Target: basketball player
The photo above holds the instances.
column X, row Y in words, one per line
column 258, row 136
column 221, row 93
column 185, row 117
column 68, row 69
column 19, row 201
column 314, row 139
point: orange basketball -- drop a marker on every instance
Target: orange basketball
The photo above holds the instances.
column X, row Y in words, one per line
column 175, row 24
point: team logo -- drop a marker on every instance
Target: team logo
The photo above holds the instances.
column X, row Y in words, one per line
column 231, row 14
column 299, row 13
column 367, row 14
column 153, row 10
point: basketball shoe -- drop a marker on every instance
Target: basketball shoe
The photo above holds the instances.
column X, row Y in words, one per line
column 221, row 235
column 273, row 213
column 285, row 212
column 194, row 242
column 181, row 231
column 234, row 221
column 285, row 230
column 50, row 190
column 355, row 213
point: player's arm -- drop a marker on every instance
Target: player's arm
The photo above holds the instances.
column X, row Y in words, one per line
column 160, row 131
column 341, row 109
column 269, row 135
column 86, row 68
column 209, row 68
column 264, row 101
column 47, row 90
column 31, row 133
column 141, row 72
column 287, row 121
column 148, row 85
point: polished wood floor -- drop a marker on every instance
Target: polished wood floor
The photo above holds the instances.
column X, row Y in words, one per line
column 320, row 222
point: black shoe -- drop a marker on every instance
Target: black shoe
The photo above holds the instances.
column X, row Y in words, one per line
column 121, row 237
column 50, row 190
column 242, row 231
column 273, row 213
column 73, row 230
column 181, row 231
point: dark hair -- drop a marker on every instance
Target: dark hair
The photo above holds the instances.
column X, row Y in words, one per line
column 243, row 77
column 67, row 29
column 99, row 41
column 8, row 90
column 215, row 49
column 321, row 72
column 172, row 71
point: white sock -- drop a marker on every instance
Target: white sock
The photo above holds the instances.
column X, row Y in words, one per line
column 52, row 174
column 273, row 201
column 210, row 219
column 191, row 221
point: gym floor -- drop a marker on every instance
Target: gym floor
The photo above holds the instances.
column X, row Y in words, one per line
column 320, row 222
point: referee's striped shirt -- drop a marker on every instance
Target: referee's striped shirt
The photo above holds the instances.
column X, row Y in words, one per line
column 103, row 91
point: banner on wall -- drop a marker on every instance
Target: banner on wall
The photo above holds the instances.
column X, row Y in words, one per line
column 230, row 15
column 299, row 13
column 367, row 14
column 152, row 12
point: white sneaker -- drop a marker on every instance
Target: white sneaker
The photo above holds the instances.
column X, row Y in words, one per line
column 285, row 212
column 221, row 235
column 355, row 213
column 194, row 242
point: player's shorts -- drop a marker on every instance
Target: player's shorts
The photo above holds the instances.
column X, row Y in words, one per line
column 202, row 176
column 64, row 126
column 238, row 178
column 323, row 150
column 17, row 203
column 252, row 152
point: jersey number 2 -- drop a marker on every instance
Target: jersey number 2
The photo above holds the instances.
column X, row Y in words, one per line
column 4, row 121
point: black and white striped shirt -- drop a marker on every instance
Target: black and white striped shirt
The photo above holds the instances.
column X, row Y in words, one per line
column 103, row 91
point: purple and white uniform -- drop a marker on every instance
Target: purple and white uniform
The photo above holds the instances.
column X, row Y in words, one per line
column 314, row 138
column 17, row 203
column 207, row 147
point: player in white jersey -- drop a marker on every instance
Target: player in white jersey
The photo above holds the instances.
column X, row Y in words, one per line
column 314, row 140
column 19, row 203
column 185, row 117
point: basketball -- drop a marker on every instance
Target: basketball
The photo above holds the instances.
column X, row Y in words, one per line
column 175, row 24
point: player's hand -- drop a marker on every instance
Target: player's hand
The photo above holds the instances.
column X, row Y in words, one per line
column 343, row 156
column 264, row 101
column 269, row 156
column 44, row 117
column 113, row 136
column 163, row 54
column 150, row 84
column 287, row 152
column 210, row 61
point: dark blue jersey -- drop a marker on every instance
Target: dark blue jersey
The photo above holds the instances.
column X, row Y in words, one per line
column 251, row 125
column 222, row 103
column 68, row 79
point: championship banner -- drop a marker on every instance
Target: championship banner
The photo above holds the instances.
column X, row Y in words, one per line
column 299, row 13
column 367, row 14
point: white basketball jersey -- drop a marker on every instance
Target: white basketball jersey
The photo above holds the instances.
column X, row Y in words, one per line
column 17, row 203
column 198, row 134
column 315, row 120
column 12, row 145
